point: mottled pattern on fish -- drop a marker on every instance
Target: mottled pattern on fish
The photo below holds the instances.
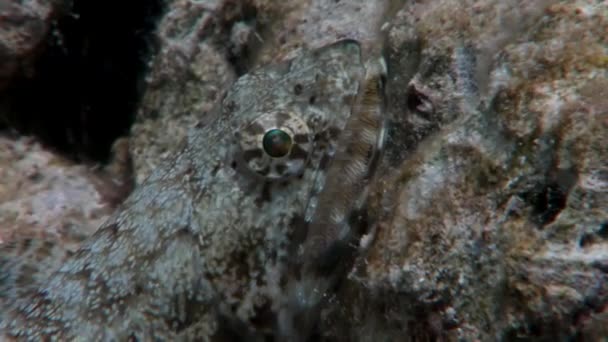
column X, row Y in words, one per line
column 203, row 246
column 27, row 261
column 335, row 225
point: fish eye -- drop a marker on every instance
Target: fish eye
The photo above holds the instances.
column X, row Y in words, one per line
column 277, row 143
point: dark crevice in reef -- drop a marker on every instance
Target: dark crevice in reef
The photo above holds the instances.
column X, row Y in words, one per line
column 86, row 84
column 547, row 203
column 550, row 198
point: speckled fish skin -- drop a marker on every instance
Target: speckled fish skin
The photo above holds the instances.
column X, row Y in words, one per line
column 203, row 237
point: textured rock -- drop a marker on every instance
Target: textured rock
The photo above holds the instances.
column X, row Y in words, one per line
column 306, row 25
column 23, row 27
column 42, row 193
column 47, row 200
column 493, row 200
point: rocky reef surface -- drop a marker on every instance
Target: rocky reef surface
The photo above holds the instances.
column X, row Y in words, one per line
column 492, row 202
column 489, row 208
column 23, row 27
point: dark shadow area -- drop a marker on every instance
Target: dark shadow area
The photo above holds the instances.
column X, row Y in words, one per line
column 86, row 84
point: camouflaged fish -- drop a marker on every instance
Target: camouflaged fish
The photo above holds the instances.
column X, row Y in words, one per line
column 204, row 248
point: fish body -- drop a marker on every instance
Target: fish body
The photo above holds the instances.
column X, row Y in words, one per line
column 203, row 247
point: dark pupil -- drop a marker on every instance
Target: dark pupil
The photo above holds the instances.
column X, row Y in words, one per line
column 276, row 143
